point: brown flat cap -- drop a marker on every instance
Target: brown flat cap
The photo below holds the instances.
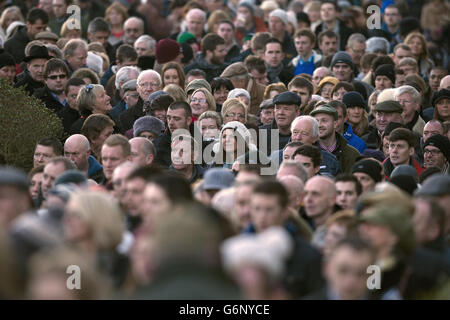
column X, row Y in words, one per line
column 47, row 35
column 235, row 69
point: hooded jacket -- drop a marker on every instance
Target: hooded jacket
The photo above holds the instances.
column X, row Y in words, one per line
column 17, row 43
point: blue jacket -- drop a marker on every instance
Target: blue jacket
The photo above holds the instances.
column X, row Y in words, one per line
column 353, row 140
column 118, row 109
column 106, row 76
column 94, row 166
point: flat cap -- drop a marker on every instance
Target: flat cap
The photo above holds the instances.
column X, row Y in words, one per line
column 10, row 176
column 47, row 35
column 287, row 97
column 436, row 185
column 130, row 85
column 325, row 109
column 389, row 106
column 235, row 69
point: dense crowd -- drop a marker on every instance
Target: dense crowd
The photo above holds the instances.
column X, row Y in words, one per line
column 224, row 149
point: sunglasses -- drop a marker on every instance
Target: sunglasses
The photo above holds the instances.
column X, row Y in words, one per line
column 88, row 88
column 56, row 76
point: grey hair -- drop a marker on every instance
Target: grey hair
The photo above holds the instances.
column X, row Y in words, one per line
column 196, row 11
column 314, row 122
column 151, row 42
column 124, row 74
column 149, row 72
column 55, row 50
column 356, row 38
column 73, row 45
column 407, row 89
column 141, row 22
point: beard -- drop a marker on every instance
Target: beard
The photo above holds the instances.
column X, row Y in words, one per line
column 216, row 60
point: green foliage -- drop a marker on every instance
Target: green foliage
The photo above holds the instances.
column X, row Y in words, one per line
column 24, row 121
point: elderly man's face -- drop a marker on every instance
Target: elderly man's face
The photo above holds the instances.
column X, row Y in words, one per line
column 78, row 59
column 195, row 23
column 148, row 84
column 303, row 132
column 132, row 30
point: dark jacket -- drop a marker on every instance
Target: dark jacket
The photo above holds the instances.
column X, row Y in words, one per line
column 344, row 33
column 283, row 140
column 372, row 138
column 15, row 46
column 234, row 52
column 284, row 73
column 117, row 110
column 45, row 95
column 345, row 153
column 197, row 173
column 68, row 116
column 288, row 46
column 95, row 171
column 211, row 70
column 108, row 74
column 29, row 84
column 389, row 167
column 128, row 117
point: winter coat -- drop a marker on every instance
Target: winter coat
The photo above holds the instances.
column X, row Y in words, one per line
column 15, row 46
column 212, row 70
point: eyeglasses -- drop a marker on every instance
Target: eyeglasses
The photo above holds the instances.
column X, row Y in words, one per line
column 405, row 101
column 149, row 84
column 201, row 100
column 232, row 115
column 56, row 76
column 433, row 152
column 88, row 88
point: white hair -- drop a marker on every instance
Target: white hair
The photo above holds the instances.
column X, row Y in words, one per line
column 124, row 74
column 151, row 42
column 94, row 62
column 314, row 122
column 407, row 89
column 196, row 11
column 147, row 73
column 237, row 93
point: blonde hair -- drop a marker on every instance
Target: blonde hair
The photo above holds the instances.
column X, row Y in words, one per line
column 411, row 36
column 86, row 98
column 176, row 92
column 103, row 217
column 65, row 29
column 233, row 102
column 209, row 98
column 215, row 18
column 280, row 87
column 120, row 8
column 13, row 10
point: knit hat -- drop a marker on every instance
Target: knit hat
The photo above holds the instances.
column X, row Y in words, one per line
column 196, row 84
column 439, row 95
column 334, row 81
column 167, row 50
column 404, row 182
column 280, row 13
column 377, row 44
column 369, row 167
column 148, row 123
column 10, row 176
column 71, row 176
column 248, row 5
column 404, row 170
column 235, row 69
column 239, row 128
column 6, row 59
column 386, row 70
column 441, row 142
column 186, row 37
column 218, row 179
column 237, row 93
column 341, row 57
column 435, row 186
column 353, row 99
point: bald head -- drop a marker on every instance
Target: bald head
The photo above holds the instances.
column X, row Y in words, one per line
column 320, row 198
column 119, row 176
column 133, row 29
column 291, row 167
column 295, row 188
column 445, row 83
column 77, row 149
column 142, row 151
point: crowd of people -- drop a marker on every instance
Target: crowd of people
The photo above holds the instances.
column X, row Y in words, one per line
column 224, row 149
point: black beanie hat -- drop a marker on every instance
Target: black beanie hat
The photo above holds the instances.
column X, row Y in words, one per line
column 353, row 99
column 6, row 59
column 405, row 182
column 386, row 70
column 369, row 167
column 441, row 142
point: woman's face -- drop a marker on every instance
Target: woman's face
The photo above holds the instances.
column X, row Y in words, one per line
column 10, row 18
column 97, row 143
column 209, row 128
column 155, row 204
column 115, row 18
column 221, row 94
column 148, row 135
column 314, row 15
column 229, row 141
column 416, row 46
column 443, row 109
column 171, row 77
column 102, row 102
column 354, row 115
column 75, row 228
column 235, row 113
column 8, row 73
column 339, row 93
column 35, row 184
column 73, row 34
column 160, row 114
column 326, row 91
column 198, row 104
column 273, row 93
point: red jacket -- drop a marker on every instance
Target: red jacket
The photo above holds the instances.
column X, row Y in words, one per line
column 389, row 167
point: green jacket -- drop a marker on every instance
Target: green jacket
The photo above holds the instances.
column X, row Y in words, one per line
column 345, row 153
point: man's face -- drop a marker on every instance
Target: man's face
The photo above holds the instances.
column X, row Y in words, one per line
column 400, row 152
column 328, row 46
column 138, row 156
column 34, row 29
column 383, row 82
column 318, row 200
column 409, row 69
column 288, row 152
column 218, row 55
column 276, row 26
column 392, row 17
column 148, row 84
column 382, row 119
column 111, row 158
column 177, row 119
column 436, row 76
column 194, row 24
column 119, row 182
column 126, row 63
column 342, row 71
column 51, row 172
column 181, row 154
column 132, row 30
column 273, row 54
column 433, row 157
column 267, row 115
column 367, row 183
column 346, row 272
column 77, row 153
column 42, row 155
column 59, row 8
column 142, row 49
column 400, row 80
column 266, row 211
column 307, row 164
column 356, row 51
column 327, row 12
column 326, row 125
column 36, row 68
column 56, row 81
column 318, row 75
column 71, row 96
column 226, row 32
column 242, row 205
column 303, row 45
column 99, row 36
column 432, row 128
column 78, row 60
column 98, row 142
column 409, row 105
column 259, row 77
column 303, row 132
column 285, row 114
column 445, row 83
column 303, row 93
column 346, row 194
column 134, row 195
column 401, row 53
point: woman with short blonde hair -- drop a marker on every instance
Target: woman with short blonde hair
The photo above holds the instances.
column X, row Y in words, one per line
column 231, row 109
